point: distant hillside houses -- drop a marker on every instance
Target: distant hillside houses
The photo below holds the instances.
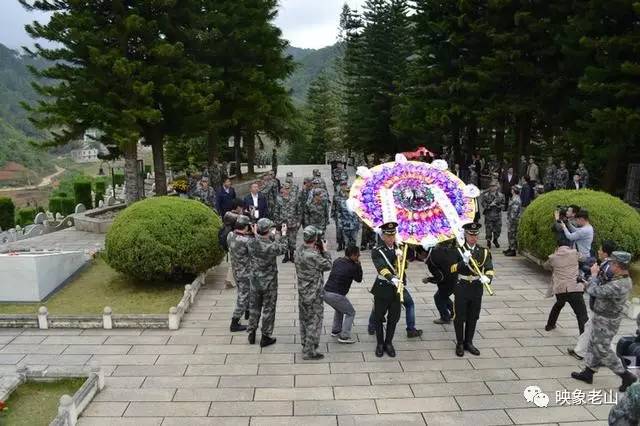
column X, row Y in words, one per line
column 88, row 152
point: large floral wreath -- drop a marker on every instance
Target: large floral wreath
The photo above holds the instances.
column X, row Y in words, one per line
column 430, row 204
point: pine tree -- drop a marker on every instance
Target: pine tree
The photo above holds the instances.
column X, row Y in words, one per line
column 323, row 120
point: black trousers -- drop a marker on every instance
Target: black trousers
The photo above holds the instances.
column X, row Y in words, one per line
column 467, row 305
column 443, row 301
column 391, row 308
column 576, row 301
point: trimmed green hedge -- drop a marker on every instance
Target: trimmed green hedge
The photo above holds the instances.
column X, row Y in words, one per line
column 7, row 213
column 164, row 238
column 63, row 205
column 100, row 186
column 99, row 197
column 82, row 192
column 118, row 178
column 26, row 216
column 612, row 219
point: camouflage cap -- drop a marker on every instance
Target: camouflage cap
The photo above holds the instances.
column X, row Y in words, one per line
column 316, row 172
column 289, row 179
column 310, row 233
column 286, row 185
column 621, row 257
column 229, row 218
column 494, row 183
column 516, row 188
column 242, row 221
column 264, row 225
column 318, row 192
column 308, row 180
column 316, row 181
column 289, row 174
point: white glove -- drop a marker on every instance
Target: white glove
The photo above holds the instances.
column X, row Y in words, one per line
column 466, row 256
column 395, row 281
column 283, row 229
column 485, row 279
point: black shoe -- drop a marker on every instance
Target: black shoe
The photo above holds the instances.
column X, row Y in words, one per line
column 627, row 380
column 246, row 314
column 340, row 247
column 313, row 357
column 371, row 331
column 379, row 351
column 488, row 243
column 574, row 354
column 510, row 253
column 471, row 349
column 495, row 243
column 442, row 321
column 363, row 248
column 414, row 333
column 585, row 375
column 236, row 326
column 252, row 338
column 549, row 327
column 267, row 341
column 390, row 350
column 460, row 349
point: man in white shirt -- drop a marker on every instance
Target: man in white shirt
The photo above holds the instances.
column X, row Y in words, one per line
column 256, row 203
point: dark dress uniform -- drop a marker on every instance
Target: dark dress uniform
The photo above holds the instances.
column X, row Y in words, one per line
column 468, row 293
column 386, row 300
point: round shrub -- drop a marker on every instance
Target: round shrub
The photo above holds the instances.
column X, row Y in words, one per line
column 82, row 192
column 611, row 218
column 164, row 238
column 7, row 213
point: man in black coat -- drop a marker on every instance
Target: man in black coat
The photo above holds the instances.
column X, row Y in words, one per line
column 225, row 197
column 508, row 180
column 256, row 204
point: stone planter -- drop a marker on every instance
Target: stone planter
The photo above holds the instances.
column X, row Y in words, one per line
column 32, row 276
column 97, row 221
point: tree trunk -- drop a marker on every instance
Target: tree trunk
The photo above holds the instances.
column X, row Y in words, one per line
column 132, row 192
column 499, row 142
column 250, row 144
column 155, row 138
column 472, row 137
column 523, row 133
column 215, row 172
column 455, row 145
column 613, row 168
column 237, row 137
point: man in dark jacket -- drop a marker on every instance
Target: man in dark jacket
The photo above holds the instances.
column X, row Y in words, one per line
column 508, row 180
column 526, row 193
column 225, row 197
column 345, row 270
column 256, row 203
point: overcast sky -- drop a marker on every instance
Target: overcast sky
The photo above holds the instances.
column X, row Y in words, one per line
column 305, row 23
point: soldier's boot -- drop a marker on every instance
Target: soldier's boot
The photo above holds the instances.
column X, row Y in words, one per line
column 628, row 379
column 388, row 342
column 488, row 243
column 495, row 242
column 469, row 331
column 267, row 341
column 380, row 340
column 291, row 257
column 459, row 327
column 252, row 337
column 246, row 314
column 286, row 257
column 236, row 326
column 414, row 333
column 585, row 375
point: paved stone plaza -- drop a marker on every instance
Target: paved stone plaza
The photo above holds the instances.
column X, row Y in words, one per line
column 204, row 375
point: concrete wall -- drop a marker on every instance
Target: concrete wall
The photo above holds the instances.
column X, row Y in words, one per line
column 31, row 277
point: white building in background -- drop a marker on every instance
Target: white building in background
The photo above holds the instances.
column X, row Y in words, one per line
column 88, row 154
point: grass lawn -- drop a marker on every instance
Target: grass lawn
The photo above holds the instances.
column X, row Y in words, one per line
column 98, row 286
column 36, row 403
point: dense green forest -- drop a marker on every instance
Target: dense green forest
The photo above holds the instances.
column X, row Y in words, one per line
column 311, row 63
column 15, row 128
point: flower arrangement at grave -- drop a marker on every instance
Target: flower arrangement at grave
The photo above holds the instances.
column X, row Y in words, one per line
column 3, row 406
column 180, row 185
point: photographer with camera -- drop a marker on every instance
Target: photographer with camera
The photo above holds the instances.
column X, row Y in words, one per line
column 581, row 234
column 311, row 260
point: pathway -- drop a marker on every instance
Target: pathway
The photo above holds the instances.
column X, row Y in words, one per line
column 204, row 375
column 46, row 181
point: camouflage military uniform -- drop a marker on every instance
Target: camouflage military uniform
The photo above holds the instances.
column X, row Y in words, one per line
column 322, row 183
column 339, row 175
column 264, row 251
column 349, row 223
column 513, row 216
column 287, row 212
column 268, row 192
column 627, row 411
column 317, row 214
column 310, row 265
column 207, row 196
column 337, row 198
column 608, row 310
column 549, row 178
column 562, row 178
column 242, row 269
column 492, row 203
column 584, row 176
column 295, row 190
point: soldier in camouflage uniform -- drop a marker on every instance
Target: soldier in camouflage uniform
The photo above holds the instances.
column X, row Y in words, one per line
column 288, row 213
column 339, row 196
column 264, row 252
column 316, row 175
column 348, row 222
column 303, row 197
column 267, row 190
column 562, row 176
column 311, row 260
column 339, row 175
column 316, row 212
column 238, row 243
column 513, row 216
column 492, row 204
column 608, row 311
column 584, row 174
column 549, row 178
column 295, row 190
column 627, row 411
column 205, row 193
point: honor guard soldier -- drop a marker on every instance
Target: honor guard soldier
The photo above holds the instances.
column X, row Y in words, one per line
column 386, row 300
column 469, row 288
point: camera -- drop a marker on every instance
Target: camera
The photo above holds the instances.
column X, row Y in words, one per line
column 320, row 241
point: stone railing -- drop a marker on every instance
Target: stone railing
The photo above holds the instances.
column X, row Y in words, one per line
column 70, row 407
column 44, row 223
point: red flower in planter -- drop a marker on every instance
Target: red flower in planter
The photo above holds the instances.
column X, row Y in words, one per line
column 3, row 406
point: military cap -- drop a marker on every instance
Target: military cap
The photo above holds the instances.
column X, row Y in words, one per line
column 229, row 218
column 310, row 233
column 242, row 221
column 288, row 179
column 472, row 228
column 316, row 172
column 389, row 228
column 494, row 183
column 289, row 174
column 316, row 181
column 264, row 225
column 621, row 257
column 204, row 179
column 516, row 188
column 286, row 185
column 308, row 180
column 317, row 191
